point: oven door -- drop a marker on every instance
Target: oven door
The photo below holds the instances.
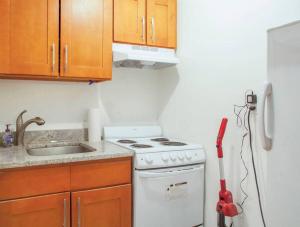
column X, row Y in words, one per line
column 172, row 197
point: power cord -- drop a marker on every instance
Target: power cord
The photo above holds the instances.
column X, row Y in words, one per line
column 254, row 170
column 240, row 112
column 249, row 105
column 245, row 177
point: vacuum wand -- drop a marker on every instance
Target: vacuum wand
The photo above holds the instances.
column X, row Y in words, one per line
column 225, row 205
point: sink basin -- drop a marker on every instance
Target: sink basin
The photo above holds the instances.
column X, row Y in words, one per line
column 59, row 150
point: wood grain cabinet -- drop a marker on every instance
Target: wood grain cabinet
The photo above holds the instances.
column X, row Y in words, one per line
column 40, row 211
column 107, row 207
column 53, row 39
column 29, row 37
column 130, row 21
column 86, row 39
column 88, row 194
column 158, row 28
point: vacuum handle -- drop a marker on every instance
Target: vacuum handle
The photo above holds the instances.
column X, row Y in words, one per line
column 220, row 137
column 222, row 131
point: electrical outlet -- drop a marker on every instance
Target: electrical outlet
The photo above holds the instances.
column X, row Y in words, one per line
column 252, row 101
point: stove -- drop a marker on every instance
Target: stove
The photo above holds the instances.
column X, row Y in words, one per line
column 152, row 149
column 168, row 176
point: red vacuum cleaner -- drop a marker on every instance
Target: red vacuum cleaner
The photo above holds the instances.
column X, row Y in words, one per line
column 225, row 205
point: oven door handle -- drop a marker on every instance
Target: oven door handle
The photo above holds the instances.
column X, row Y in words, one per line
column 147, row 174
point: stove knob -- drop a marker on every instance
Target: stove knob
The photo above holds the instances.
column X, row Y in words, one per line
column 173, row 157
column 148, row 159
column 188, row 156
column 181, row 157
column 165, row 158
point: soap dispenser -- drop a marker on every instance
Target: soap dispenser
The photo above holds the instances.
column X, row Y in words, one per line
column 8, row 138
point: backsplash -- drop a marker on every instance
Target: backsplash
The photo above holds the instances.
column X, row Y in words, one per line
column 41, row 137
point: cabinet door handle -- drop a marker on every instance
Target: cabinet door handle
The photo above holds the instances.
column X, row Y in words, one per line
column 53, row 57
column 153, row 29
column 66, row 58
column 65, row 213
column 143, row 28
column 78, row 212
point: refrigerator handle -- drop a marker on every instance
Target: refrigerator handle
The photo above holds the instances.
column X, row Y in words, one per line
column 266, row 140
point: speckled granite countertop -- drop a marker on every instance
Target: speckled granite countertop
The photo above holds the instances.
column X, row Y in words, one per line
column 17, row 156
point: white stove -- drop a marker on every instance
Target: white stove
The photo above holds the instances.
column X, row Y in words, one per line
column 158, row 152
column 168, row 176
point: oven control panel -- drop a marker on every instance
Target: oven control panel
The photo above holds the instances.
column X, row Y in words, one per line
column 168, row 158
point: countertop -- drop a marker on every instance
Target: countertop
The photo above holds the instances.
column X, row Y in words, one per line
column 16, row 156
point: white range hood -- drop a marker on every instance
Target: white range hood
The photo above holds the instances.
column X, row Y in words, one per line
column 135, row 56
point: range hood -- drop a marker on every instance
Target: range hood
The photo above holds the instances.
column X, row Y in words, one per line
column 135, row 56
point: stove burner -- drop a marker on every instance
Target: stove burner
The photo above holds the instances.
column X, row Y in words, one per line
column 160, row 139
column 126, row 141
column 171, row 143
column 140, row 145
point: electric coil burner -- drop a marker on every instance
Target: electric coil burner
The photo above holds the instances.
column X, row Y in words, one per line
column 160, row 139
column 136, row 145
column 171, row 143
column 126, row 141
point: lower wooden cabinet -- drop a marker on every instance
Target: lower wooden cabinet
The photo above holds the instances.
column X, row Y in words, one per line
column 88, row 194
column 40, row 211
column 106, row 207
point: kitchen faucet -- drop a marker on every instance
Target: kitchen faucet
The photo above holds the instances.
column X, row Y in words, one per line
column 21, row 127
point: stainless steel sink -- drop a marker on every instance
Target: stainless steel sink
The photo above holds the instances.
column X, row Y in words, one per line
column 49, row 150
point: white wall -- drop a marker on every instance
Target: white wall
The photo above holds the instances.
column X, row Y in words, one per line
column 131, row 96
column 222, row 48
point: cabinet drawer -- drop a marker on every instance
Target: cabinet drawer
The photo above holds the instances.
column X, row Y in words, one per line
column 34, row 181
column 100, row 174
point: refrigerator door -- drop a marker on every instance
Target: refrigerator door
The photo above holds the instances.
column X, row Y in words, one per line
column 283, row 186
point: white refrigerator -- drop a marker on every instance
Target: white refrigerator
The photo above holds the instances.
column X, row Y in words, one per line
column 280, row 126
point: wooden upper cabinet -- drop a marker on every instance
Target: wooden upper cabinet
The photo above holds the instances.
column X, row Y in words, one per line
column 158, row 28
column 162, row 23
column 130, row 21
column 29, row 37
column 41, row 211
column 86, row 39
column 106, row 207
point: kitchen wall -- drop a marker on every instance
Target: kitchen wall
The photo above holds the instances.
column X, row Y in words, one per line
column 222, row 48
column 132, row 96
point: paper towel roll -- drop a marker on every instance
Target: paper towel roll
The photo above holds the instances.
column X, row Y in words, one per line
column 94, row 125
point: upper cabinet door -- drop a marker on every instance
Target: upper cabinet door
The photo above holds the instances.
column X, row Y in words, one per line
column 130, row 21
column 86, row 39
column 41, row 211
column 29, row 37
column 161, row 23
